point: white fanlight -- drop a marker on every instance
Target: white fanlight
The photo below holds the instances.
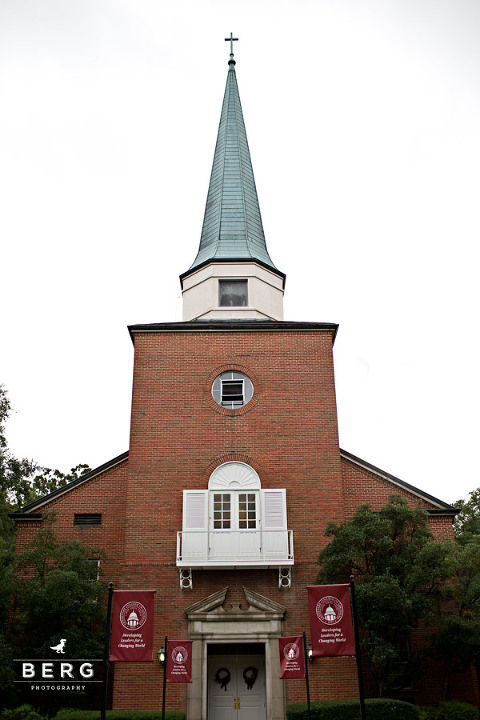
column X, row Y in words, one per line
column 234, row 475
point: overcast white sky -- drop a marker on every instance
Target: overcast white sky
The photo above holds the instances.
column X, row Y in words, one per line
column 363, row 119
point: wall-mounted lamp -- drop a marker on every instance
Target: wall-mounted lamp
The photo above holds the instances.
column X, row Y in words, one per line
column 309, row 651
column 161, row 656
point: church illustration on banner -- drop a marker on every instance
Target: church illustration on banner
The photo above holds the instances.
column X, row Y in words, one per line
column 233, row 472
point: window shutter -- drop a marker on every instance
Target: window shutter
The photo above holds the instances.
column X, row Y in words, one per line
column 195, row 509
column 274, row 509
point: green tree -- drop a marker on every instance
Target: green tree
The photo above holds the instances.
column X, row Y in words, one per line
column 6, row 650
column 15, row 474
column 467, row 522
column 48, row 480
column 400, row 572
column 457, row 639
column 57, row 594
column 15, row 477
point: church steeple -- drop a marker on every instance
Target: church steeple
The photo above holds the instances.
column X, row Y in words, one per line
column 232, row 275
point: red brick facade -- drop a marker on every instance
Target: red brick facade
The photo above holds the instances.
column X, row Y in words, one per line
column 287, row 433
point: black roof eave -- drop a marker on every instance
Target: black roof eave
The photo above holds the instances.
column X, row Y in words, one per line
column 26, row 511
column 229, row 260
column 235, row 325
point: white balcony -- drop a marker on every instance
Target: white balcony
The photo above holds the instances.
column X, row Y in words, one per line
column 218, row 549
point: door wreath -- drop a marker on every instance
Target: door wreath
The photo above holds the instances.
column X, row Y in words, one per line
column 250, row 674
column 223, row 677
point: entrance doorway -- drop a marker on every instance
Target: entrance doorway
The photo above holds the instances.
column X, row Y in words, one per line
column 236, row 682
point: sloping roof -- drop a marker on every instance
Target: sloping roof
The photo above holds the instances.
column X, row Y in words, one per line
column 442, row 508
column 232, row 226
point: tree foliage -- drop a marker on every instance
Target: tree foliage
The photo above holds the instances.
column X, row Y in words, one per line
column 457, row 639
column 50, row 591
column 47, row 481
column 467, row 522
column 400, row 571
column 56, row 594
column 15, row 474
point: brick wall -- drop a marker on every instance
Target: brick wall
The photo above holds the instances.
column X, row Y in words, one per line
column 104, row 494
column 364, row 486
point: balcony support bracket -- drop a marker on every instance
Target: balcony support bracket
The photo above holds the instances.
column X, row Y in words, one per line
column 186, row 579
column 284, row 577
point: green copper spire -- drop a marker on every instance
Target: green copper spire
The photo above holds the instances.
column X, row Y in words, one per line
column 232, row 227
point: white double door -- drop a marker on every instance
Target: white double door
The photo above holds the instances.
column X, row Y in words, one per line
column 236, row 687
column 234, row 526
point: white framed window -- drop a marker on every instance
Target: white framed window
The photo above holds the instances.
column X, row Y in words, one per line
column 233, row 293
column 221, row 514
column 247, row 511
column 233, row 510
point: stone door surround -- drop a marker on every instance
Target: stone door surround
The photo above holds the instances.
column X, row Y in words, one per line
column 210, row 621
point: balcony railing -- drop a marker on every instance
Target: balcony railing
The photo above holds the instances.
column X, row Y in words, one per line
column 234, row 548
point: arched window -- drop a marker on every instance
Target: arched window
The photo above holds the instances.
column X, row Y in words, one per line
column 233, row 497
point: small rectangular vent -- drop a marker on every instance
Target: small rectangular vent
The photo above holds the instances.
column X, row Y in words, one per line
column 87, row 519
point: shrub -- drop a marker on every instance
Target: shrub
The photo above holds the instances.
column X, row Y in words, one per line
column 381, row 709
column 24, row 712
column 450, row 711
column 73, row 714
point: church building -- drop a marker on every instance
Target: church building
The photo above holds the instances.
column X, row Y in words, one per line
column 233, row 472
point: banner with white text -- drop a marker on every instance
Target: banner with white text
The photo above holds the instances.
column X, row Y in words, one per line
column 132, row 626
column 179, row 661
column 292, row 657
column 331, row 627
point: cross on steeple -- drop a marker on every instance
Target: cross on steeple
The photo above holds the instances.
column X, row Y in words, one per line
column 231, row 39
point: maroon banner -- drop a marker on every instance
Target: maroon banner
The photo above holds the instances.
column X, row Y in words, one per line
column 179, row 661
column 331, row 626
column 292, row 657
column 132, row 626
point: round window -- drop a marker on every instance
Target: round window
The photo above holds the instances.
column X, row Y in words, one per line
column 232, row 389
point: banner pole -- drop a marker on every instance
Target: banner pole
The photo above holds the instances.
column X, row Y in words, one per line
column 357, row 648
column 307, row 681
column 164, row 678
column 106, row 658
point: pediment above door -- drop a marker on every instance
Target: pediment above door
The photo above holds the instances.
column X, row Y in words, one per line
column 255, row 608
